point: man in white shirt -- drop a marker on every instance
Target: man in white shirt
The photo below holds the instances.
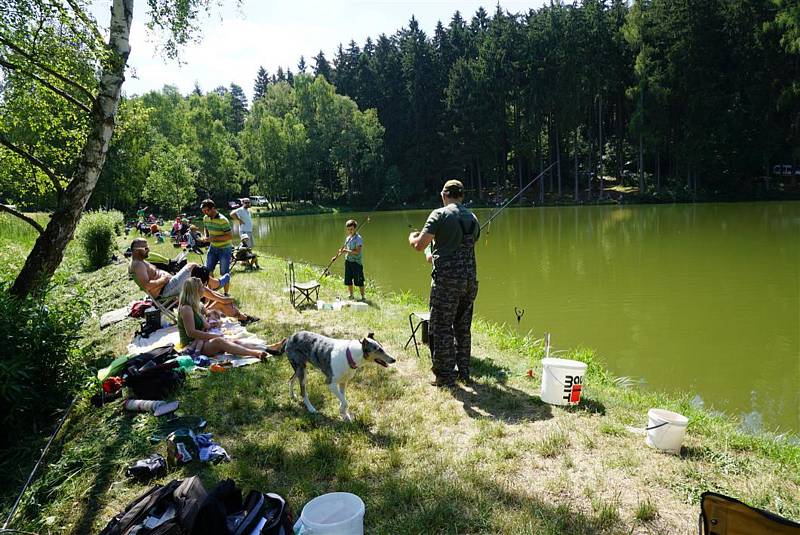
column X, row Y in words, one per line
column 242, row 216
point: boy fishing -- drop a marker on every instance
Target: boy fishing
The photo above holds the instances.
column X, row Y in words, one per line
column 353, row 261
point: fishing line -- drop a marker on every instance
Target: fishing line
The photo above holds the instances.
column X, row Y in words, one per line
column 36, row 466
column 520, row 192
column 327, row 270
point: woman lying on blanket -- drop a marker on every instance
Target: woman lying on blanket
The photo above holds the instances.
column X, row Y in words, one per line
column 193, row 327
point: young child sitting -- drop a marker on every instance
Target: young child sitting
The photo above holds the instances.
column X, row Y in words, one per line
column 246, row 255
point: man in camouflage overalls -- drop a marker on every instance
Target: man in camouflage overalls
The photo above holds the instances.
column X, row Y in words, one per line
column 452, row 231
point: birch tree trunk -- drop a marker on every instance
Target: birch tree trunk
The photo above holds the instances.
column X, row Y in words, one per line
column 48, row 251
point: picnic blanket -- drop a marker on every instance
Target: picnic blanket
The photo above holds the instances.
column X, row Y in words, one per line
column 229, row 327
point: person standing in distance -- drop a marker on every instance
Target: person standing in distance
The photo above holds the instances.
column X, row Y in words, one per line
column 242, row 216
column 452, row 232
column 220, row 237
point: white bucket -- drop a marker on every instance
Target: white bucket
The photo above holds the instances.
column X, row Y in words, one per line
column 665, row 430
column 562, row 381
column 336, row 513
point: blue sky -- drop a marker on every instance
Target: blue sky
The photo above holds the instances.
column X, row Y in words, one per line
column 235, row 41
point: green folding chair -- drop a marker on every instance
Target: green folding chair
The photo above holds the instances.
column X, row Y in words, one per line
column 301, row 293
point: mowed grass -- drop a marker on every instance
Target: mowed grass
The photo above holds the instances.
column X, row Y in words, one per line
column 484, row 458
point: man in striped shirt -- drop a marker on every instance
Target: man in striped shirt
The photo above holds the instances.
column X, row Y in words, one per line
column 220, row 237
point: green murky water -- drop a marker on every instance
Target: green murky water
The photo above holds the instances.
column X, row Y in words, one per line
column 699, row 298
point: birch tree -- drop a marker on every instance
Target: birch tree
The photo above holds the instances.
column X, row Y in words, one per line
column 22, row 58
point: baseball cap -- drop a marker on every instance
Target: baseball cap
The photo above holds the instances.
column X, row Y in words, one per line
column 453, row 188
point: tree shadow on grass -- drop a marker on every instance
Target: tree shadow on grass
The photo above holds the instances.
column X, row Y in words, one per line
column 278, row 446
column 106, row 467
column 402, row 494
column 219, row 400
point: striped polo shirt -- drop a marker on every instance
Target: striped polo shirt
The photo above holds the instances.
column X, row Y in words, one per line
column 219, row 231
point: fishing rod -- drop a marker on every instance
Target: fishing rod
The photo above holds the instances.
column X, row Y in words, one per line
column 327, row 270
column 520, row 192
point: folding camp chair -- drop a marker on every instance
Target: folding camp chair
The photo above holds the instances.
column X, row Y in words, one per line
column 301, row 293
column 163, row 304
column 721, row 515
column 423, row 319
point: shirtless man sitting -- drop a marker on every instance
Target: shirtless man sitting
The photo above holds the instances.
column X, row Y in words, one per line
column 159, row 283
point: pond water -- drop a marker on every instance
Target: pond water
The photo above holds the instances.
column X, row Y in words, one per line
column 698, row 298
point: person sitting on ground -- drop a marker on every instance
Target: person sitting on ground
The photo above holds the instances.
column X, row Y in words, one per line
column 245, row 254
column 155, row 231
column 159, row 283
column 194, row 329
column 194, row 239
column 175, row 233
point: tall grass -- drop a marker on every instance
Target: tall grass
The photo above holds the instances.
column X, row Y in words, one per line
column 15, row 230
column 16, row 240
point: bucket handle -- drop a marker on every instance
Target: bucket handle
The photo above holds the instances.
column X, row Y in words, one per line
column 551, row 374
column 656, row 426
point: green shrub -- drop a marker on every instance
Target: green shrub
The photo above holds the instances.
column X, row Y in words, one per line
column 40, row 366
column 96, row 235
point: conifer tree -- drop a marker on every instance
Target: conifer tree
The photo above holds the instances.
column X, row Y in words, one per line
column 261, row 83
column 279, row 76
column 322, row 67
column 238, row 108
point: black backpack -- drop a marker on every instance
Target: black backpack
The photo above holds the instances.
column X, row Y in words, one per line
column 155, row 383
column 158, row 355
column 177, row 502
column 148, row 376
column 225, row 513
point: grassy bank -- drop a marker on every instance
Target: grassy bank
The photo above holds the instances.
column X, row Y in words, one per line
column 485, row 458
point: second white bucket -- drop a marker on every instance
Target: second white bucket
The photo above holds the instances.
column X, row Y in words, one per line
column 562, row 381
column 665, row 430
column 336, row 513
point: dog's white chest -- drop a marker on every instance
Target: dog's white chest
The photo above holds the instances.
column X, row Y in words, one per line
column 342, row 369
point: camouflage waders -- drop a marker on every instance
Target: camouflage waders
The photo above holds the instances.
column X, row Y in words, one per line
column 453, row 291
